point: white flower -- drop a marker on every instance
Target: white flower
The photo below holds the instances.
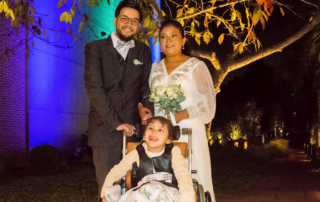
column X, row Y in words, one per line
column 137, row 62
column 170, row 92
column 160, row 90
column 156, row 99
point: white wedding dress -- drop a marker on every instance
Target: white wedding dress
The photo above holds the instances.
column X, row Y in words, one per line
column 196, row 82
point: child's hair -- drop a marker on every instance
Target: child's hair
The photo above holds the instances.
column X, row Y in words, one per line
column 164, row 122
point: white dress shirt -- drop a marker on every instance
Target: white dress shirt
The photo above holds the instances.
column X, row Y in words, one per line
column 123, row 50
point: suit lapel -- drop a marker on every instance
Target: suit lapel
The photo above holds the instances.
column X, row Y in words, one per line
column 112, row 54
column 130, row 66
column 132, row 55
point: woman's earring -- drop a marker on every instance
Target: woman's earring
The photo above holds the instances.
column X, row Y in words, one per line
column 183, row 47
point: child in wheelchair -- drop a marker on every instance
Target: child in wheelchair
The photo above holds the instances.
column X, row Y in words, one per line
column 159, row 170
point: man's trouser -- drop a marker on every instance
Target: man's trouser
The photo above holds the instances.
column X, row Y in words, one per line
column 104, row 160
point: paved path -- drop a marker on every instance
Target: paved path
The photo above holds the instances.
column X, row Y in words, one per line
column 287, row 180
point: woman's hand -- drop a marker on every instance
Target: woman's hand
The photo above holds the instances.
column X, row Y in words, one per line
column 180, row 115
column 104, row 199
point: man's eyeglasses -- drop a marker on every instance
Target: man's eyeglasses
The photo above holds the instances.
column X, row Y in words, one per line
column 125, row 19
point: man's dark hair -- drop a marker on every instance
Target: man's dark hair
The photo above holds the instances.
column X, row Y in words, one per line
column 129, row 4
column 174, row 23
column 164, row 122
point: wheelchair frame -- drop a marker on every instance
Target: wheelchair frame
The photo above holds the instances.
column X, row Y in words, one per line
column 201, row 195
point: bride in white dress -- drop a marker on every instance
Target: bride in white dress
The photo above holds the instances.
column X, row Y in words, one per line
column 200, row 104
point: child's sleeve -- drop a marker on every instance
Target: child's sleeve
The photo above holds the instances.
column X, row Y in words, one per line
column 183, row 176
column 120, row 170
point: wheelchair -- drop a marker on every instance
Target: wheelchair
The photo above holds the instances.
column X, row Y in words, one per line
column 186, row 151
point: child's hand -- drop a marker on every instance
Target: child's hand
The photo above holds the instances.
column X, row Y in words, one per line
column 104, row 199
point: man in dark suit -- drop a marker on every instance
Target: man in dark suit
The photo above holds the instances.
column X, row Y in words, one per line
column 116, row 77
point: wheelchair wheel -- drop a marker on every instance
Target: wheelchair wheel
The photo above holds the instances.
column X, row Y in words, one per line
column 201, row 194
column 208, row 196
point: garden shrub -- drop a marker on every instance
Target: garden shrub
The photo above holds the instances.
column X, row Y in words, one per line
column 278, row 147
column 44, row 156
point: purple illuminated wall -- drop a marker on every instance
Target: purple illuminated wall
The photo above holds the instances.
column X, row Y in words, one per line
column 12, row 96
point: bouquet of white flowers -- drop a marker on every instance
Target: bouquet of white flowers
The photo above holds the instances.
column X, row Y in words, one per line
column 168, row 98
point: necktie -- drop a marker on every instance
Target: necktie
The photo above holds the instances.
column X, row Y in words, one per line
column 121, row 44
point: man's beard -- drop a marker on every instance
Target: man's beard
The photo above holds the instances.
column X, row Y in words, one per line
column 123, row 37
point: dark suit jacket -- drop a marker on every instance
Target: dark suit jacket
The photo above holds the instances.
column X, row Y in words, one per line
column 115, row 90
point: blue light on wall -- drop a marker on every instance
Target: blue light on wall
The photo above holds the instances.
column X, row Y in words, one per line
column 155, row 48
column 58, row 103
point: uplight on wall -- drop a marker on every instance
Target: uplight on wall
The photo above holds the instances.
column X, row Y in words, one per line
column 245, row 145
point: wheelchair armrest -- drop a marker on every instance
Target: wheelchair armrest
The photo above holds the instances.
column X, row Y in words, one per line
column 128, row 180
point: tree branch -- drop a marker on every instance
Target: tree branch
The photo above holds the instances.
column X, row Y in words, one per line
column 210, row 9
column 231, row 65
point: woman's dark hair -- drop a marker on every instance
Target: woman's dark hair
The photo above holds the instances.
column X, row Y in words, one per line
column 174, row 23
column 164, row 122
column 129, row 4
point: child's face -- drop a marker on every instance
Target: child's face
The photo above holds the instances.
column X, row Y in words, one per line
column 156, row 136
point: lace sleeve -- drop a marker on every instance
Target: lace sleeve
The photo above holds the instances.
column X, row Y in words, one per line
column 204, row 106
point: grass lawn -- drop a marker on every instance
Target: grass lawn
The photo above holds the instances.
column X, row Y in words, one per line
column 70, row 183
column 234, row 171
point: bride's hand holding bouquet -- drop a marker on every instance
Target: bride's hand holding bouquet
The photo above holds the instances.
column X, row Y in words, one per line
column 168, row 99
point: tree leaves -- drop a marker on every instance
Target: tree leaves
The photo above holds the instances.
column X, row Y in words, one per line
column 206, row 22
column 146, row 22
column 9, row 13
column 197, row 22
column 248, row 16
column 179, row 12
column 59, row 4
column 218, row 22
column 1, row 6
column 192, row 29
column 181, row 22
column 281, row 10
column 63, row 16
column 256, row 15
column 44, row 32
column 268, row 6
column 239, row 47
column 190, row 11
column 263, row 22
column 80, row 27
column 69, row 30
column 91, row 3
column 207, row 36
column 155, row 39
column 233, row 15
column 197, row 38
column 251, row 35
column 220, row 39
column 32, row 43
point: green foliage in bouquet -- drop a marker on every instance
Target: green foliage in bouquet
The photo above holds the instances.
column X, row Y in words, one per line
column 168, row 98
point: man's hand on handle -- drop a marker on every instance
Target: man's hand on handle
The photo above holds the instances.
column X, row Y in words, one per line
column 127, row 128
column 144, row 113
